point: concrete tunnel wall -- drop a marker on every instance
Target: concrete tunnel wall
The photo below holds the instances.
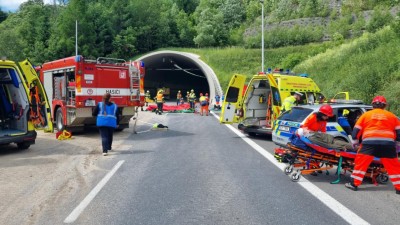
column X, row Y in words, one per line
column 212, row 80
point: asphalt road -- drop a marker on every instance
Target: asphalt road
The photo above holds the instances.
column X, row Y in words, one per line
column 201, row 172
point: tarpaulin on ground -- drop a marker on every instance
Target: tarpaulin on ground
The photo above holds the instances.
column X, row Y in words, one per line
column 171, row 108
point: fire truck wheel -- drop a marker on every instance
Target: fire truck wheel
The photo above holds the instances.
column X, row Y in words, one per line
column 59, row 120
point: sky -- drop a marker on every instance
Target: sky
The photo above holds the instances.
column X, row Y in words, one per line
column 12, row 5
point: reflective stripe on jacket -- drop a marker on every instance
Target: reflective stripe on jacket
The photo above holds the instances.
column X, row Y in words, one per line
column 107, row 116
column 377, row 127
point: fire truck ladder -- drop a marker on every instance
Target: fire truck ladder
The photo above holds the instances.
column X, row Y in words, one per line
column 135, row 82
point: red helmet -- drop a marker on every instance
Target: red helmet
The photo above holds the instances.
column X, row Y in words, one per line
column 326, row 110
column 379, row 99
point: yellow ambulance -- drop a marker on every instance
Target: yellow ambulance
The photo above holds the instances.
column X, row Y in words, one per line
column 24, row 107
column 256, row 106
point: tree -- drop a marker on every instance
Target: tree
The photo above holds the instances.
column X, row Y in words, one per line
column 3, row 15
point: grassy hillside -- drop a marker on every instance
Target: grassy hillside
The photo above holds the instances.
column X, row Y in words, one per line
column 227, row 61
column 365, row 66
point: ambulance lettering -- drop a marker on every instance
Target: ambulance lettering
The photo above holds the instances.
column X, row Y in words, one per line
column 113, row 91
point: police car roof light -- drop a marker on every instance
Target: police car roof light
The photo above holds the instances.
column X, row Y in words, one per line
column 303, row 75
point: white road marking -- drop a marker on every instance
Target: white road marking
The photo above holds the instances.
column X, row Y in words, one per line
column 329, row 201
column 79, row 209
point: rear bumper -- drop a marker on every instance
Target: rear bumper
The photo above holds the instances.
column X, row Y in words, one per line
column 255, row 129
column 280, row 141
column 29, row 137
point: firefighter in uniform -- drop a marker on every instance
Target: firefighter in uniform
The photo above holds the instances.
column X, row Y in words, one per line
column 160, row 101
column 148, row 97
column 380, row 133
column 106, row 121
column 178, row 97
column 290, row 101
column 192, row 99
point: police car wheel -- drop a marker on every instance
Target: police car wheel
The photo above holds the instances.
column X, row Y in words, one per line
column 23, row 145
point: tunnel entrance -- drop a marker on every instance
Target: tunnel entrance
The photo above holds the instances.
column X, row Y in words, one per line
column 179, row 71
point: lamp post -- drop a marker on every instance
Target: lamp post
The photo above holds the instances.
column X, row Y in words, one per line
column 262, row 35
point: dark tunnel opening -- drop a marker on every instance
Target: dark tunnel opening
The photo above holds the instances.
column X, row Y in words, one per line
column 175, row 72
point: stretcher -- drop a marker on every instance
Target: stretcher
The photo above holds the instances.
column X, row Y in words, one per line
column 304, row 157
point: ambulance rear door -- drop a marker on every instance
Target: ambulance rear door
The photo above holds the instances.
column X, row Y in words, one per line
column 33, row 81
column 274, row 106
column 233, row 100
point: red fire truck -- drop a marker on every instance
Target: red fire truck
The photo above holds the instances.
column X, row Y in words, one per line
column 74, row 86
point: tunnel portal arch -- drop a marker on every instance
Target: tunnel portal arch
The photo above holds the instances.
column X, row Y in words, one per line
column 166, row 66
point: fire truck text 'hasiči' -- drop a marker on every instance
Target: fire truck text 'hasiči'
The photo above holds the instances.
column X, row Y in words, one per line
column 74, row 86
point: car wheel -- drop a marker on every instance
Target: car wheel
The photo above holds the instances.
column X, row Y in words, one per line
column 23, row 145
column 252, row 134
column 59, row 120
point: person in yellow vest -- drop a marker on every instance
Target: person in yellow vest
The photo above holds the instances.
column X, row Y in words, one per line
column 204, row 104
column 291, row 101
column 178, row 97
column 160, row 101
column 192, row 99
column 148, row 97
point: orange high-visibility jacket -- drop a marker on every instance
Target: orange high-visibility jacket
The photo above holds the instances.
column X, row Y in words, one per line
column 314, row 125
column 377, row 125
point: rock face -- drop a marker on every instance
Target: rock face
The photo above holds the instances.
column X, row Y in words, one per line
column 312, row 21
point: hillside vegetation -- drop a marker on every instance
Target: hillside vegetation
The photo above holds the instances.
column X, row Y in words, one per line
column 366, row 66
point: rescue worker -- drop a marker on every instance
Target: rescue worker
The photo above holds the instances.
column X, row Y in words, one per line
column 380, row 133
column 178, row 97
column 187, row 96
column 321, row 99
column 148, row 97
column 160, row 101
column 203, row 103
column 317, row 121
column 107, row 120
column 217, row 99
column 208, row 104
column 343, row 122
column 290, row 101
column 192, row 99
